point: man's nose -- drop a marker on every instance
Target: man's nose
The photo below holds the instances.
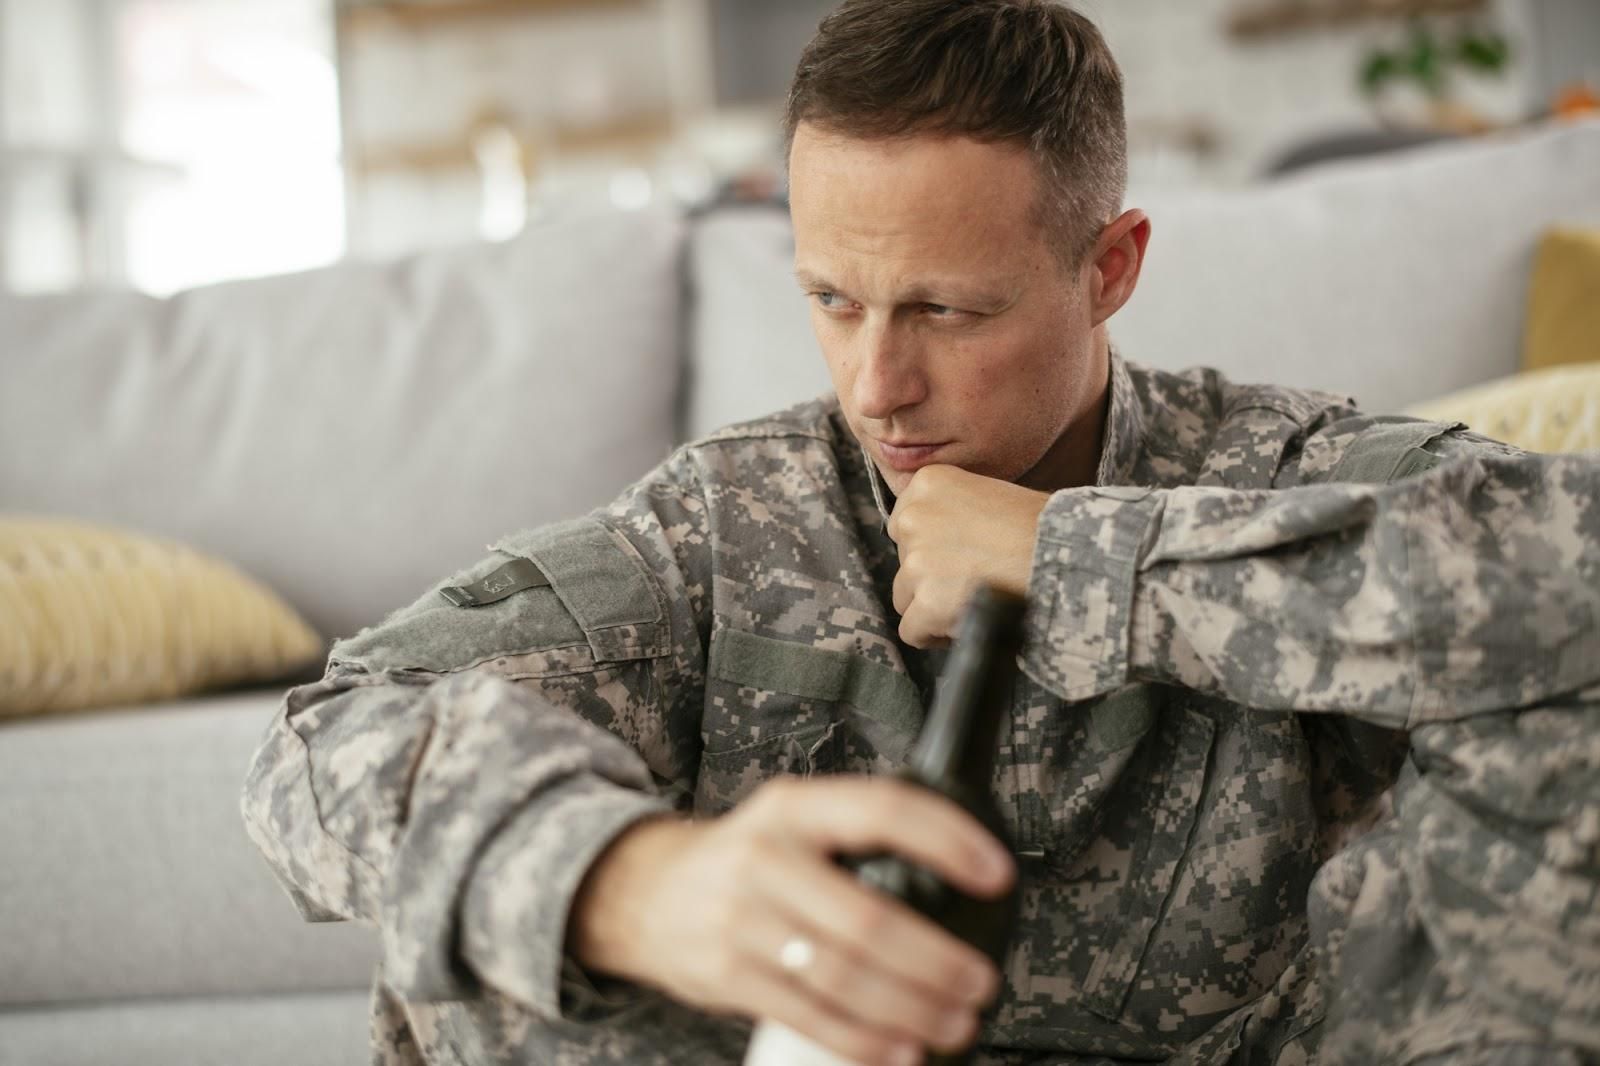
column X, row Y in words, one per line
column 890, row 373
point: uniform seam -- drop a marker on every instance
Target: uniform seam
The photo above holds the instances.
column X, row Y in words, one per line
column 1414, row 708
column 663, row 614
column 1303, row 417
column 397, row 674
column 311, row 776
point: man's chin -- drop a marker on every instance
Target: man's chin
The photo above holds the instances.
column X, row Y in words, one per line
column 893, row 480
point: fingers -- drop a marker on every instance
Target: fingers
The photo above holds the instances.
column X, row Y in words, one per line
column 918, row 631
column 929, row 605
column 782, row 1000
column 861, row 815
column 854, row 994
column 881, row 982
column 878, row 956
column 905, row 588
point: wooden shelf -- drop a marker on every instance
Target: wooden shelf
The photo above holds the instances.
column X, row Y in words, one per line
column 633, row 136
column 1276, row 17
column 429, row 14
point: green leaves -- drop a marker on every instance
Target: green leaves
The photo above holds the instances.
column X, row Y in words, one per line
column 1428, row 60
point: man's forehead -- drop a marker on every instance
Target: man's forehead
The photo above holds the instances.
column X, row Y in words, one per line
column 940, row 198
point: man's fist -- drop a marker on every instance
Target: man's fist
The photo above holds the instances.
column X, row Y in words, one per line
column 708, row 911
column 957, row 530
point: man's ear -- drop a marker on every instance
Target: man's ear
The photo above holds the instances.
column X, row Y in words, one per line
column 1115, row 263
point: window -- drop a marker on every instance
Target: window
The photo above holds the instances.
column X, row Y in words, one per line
column 240, row 99
column 166, row 143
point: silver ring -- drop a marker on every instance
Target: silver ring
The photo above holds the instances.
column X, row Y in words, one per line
column 796, row 954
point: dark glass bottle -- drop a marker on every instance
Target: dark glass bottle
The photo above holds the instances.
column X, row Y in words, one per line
column 954, row 756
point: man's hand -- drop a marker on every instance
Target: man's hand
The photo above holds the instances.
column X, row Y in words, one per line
column 703, row 911
column 957, row 530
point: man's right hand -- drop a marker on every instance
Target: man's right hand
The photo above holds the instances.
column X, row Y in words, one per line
column 702, row 910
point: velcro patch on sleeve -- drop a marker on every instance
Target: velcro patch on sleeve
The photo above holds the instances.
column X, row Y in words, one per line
column 516, row 576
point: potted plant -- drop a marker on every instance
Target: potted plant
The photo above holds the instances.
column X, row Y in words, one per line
column 1417, row 82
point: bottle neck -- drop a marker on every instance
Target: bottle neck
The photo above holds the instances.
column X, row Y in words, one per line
column 959, row 740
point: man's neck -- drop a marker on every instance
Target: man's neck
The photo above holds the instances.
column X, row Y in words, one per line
column 1073, row 461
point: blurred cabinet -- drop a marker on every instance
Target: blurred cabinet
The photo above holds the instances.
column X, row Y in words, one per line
column 463, row 117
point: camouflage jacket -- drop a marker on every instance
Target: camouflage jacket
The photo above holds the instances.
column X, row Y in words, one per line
column 1225, row 645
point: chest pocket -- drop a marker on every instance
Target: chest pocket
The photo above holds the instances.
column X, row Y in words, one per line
column 1114, row 799
column 776, row 707
column 561, row 599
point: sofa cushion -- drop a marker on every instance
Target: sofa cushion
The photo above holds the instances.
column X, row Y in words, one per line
column 128, row 872
column 307, row 1030
column 749, row 327
column 348, row 435
column 1394, row 279
column 101, row 616
column 1552, row 410
column 1564, row 300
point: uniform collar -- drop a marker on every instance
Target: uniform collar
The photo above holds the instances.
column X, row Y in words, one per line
column 1119, row 447
column 1123, row 438
column 880, row 491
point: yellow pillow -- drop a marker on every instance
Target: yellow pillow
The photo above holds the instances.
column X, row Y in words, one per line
column 1564, row 301
column 1555, row 410
column 91, row 617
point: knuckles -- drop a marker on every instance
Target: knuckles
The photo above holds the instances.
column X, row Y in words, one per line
column 864, row 922
column 773, row 799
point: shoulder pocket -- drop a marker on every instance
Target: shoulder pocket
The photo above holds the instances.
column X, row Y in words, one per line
column 1393, row 448
column 582, row 596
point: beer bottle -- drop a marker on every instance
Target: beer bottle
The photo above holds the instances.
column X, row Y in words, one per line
column 953, row 756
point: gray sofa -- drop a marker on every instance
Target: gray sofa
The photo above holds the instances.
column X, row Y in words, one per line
column 351, row 434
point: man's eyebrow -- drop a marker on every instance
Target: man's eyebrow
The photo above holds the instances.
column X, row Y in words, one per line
column 951, row 292
column 931, row 292
column 808, row 280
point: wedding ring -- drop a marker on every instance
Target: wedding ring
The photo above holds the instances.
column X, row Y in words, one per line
column 796, row 954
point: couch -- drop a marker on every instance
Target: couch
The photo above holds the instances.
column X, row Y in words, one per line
column 348, row 435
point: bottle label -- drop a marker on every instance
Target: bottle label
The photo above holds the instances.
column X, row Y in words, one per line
column 778, row 1045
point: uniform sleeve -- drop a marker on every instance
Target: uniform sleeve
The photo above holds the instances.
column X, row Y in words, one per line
column 1471, row 586
column 460, row 766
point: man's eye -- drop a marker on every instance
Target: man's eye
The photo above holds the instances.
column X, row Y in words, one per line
column 940, row 310
column 826, row 299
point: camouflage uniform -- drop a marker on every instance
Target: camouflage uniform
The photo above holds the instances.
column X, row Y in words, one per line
column 1170, row 782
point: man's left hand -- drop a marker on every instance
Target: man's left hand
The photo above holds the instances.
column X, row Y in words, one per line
column 957, row 530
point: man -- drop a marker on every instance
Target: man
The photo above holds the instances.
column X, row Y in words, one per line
column 515, row 778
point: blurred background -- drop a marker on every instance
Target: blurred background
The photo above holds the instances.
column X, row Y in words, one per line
column 162, row 144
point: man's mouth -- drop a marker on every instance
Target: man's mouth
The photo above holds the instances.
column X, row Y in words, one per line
column 908, row 455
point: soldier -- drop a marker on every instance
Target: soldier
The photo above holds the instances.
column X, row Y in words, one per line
column 588, row 789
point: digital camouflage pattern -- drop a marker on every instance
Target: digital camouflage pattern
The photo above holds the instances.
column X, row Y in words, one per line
column 1217, row 680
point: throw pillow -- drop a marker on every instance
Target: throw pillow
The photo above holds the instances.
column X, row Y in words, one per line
column 94, row 617
column 1554, row 411
column 1564, row 301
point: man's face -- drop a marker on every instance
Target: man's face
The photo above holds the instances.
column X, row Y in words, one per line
column 952, row 330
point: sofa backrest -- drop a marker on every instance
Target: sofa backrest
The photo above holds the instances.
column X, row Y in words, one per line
column 1394, row 279
column 350, row 435
column 749, row 329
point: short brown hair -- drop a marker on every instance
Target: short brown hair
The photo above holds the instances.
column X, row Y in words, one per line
column 1030, row 72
